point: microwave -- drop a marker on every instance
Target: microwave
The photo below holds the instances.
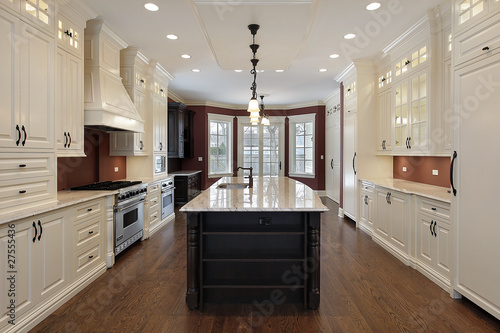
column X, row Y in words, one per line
column 160, row 163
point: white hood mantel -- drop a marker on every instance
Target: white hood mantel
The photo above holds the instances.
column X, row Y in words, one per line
column 107, row 104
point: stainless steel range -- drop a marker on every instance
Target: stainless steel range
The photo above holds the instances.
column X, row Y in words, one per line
column 128, row 214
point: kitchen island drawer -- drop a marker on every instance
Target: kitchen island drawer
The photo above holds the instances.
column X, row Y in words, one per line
column 434, row 207
column 21, row 166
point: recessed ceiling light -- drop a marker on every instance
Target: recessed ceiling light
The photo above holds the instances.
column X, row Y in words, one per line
column 185, row 56
column 151, row 7
column 238, row 70
column 280, row 70
column 196, row 70
column 349, row 36
column 334, row 56
column 173, row 37
column 322, row 70
column 373, row 6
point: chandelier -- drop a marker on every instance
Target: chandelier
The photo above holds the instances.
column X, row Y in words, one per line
column 253, row 106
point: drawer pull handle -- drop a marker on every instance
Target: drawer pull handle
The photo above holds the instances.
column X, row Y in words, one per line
column 434, row 208
column 91, row 232
column 22, row 165
column 22, row 191
column 89, row 210
column 486, row 48
column 90, row 257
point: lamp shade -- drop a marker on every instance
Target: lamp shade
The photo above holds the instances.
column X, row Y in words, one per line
column 254, row 115
column 265, row 121
column 253, row 106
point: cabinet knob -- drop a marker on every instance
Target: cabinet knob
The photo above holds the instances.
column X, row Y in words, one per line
column 22, row 191
column 90, row 257
column 22, row 165
column 91, row 232
column 486, row 48
column 434, row 208
column 89, row 210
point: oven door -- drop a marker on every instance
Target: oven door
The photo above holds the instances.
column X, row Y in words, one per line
column 129, row 220
column 167, row 202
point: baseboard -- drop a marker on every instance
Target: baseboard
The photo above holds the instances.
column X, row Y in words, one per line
column 366, row 229
column 341, row 212
column 40, row 312
column 163, row 223
column 403, row 257
column 434, row 276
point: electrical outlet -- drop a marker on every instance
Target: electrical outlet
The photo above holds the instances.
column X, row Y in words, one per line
column 116, row 169
column 322, row 157
column 435, row 172
column 404, row 169
column 200, row 159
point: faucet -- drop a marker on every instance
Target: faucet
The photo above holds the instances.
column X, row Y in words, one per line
column 250, row 178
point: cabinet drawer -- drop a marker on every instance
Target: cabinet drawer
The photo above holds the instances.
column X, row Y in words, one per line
column 154, row 202
column 473, row 43
column 87, row 233
column 20, row 166
column 87, row 259
column 154, row 216
column 153, row 188
column 429, row 206
column 88, row 209
column 368, row 188
column 18, row 193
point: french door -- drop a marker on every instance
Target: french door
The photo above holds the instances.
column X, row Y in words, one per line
column 261, row 147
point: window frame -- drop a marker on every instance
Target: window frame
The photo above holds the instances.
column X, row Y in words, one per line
column 212, row 117
column 292, row 121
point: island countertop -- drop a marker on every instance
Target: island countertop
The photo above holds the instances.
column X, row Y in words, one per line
column 278, row 194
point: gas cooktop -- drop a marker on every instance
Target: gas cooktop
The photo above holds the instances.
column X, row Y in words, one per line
column 105, row 186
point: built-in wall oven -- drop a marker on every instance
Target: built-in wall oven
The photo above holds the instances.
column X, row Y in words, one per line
column 129, row 216
column 167, row 197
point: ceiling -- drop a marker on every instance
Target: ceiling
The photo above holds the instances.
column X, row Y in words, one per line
column 297, row 36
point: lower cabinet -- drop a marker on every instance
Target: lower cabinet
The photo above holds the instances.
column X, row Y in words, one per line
column 433, row 248
column 153, row 215
column 187, row 187
column 392, row 223
column 366, row 208
column 47, row 259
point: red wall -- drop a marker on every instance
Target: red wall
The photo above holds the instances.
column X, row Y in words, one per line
column 97, row 166
column 419, row 169
column 201, row 142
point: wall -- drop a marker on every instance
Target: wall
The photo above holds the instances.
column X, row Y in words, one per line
column 419, row 169
column 201, row 142
column 97, row 166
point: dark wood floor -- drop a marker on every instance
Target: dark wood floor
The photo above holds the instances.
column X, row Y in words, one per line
column 363, row 289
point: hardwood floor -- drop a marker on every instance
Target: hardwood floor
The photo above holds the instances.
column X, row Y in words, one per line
column 363, row 289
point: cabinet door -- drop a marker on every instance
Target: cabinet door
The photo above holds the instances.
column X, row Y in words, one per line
column 385, row 117
column 426, row 242
column 350, row 177
column 443, row 248
column 401, row 115
column 9, row 70
column 419, row 113
column 381, row 223
column 140, row 102
column 159, row 124
column 399, row 220
column 61, row 114
column 173, row 134
column 25, row 276
column 36, row 57
column 336, row 158
column 329, row 143
column 366, row 210
column 477, row 179
column 74, row 104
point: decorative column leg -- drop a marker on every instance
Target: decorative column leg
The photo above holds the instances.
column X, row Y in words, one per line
column 193, row 261
column 313, row 263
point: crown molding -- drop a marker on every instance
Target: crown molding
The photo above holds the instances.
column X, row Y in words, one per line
column 418, row 27
column 333, row 97
column 345, row 73
column 172, row 95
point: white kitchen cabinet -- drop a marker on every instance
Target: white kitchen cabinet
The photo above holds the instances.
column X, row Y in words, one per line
column 392, row 223
column 27, row 64
column 153, row 211
column 159, row 118
column 133, row 70
column 332, row 147
column 366, row 207
column 70, row 36
column 69, row 104
column 385, row 118
column 433, row 249
column 468, row 13
column 41, row 269
column 349, row 166
column 476, row 179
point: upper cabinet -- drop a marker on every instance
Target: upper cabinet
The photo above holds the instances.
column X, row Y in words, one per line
column 180, row 131
column 27, row 94
column 39, row 13
column 159, row 116
column 70, row 36
column 467, row 13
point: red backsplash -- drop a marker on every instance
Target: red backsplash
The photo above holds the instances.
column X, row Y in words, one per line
column 97, row 166
column 419, row 169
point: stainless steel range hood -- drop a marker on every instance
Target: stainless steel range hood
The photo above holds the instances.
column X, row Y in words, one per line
column 107, row 104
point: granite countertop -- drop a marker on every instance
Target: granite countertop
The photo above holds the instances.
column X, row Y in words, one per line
column 424, row 190
column 267, row 194
column 64, row 199
column 184, row 172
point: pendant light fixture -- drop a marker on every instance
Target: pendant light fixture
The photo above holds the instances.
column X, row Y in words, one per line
column 253, row 106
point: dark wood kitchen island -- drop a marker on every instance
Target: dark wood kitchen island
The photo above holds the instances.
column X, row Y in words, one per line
column 260, row 244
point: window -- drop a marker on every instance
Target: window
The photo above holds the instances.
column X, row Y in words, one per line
column 220, row 129
column 302, row 142
column 261, row 147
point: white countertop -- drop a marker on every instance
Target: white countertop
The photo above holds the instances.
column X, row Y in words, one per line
column 64, row 199
column 267, row 194
column 424, row 190
column 184, row 172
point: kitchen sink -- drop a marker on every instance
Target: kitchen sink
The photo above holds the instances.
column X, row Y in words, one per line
column 232, row 186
